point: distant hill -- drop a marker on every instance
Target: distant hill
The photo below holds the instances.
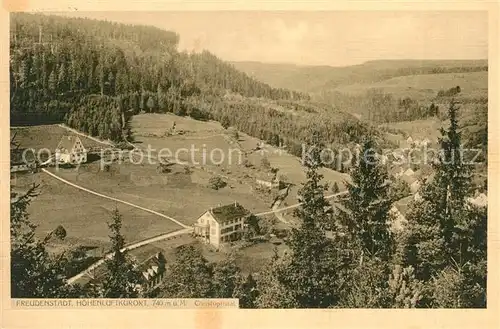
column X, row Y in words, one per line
column 425, row 86
column 381, row 90
column 318, row 78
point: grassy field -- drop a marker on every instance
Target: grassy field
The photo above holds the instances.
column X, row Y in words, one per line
column 426, row 86
column 84, row 216
column 212, row 136
column 180, row 193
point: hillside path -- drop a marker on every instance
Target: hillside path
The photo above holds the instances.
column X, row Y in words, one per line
column 297, row 205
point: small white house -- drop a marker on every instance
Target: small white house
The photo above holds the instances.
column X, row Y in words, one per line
column 22, row 160
column 413, row 182
column 71, row 150
column 268, row 180
column 152, row 272
column 480, row 200
column 409, row 172
column 221, row 225
column 426, row 142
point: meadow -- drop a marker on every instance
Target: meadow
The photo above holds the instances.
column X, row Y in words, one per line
column 426, row 86
column 45, row 136
column 211, row 135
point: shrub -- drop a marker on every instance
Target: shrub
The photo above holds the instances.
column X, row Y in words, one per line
column 399, row 189
column 60, row 232
column 216, row 182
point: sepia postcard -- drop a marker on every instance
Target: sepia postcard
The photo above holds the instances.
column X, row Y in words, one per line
column 260, row 165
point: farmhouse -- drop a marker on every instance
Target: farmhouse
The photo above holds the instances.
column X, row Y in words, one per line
column 152, row 272
column 71, row 150
column 268, row 180
column 222, row 224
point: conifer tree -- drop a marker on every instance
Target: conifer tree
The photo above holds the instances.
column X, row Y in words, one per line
column 122, row 277
column 246, row 291
column 307, row 277
column 367, row 220
column 335, row 188
column 436, row 220
column 273, row 293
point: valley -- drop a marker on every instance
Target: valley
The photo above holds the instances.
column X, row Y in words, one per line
column 165, row 173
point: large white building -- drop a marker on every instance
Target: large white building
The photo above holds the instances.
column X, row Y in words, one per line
column 222, row 224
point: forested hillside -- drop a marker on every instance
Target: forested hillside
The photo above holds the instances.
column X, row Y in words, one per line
column 95, row 75
column 57, row 61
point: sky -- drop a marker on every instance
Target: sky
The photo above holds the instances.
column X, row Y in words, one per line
column 332, row 38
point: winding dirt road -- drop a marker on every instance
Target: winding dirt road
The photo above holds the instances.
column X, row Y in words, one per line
column 296, row 205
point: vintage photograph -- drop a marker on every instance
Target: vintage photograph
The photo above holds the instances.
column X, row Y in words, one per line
column 320, row 159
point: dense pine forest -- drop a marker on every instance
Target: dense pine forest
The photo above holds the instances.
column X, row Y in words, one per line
column 56, row 62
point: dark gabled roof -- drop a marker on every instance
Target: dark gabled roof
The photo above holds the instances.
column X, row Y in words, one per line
column 268, row 177
column 229, row 212
column 152, row 266
column 67, row 142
